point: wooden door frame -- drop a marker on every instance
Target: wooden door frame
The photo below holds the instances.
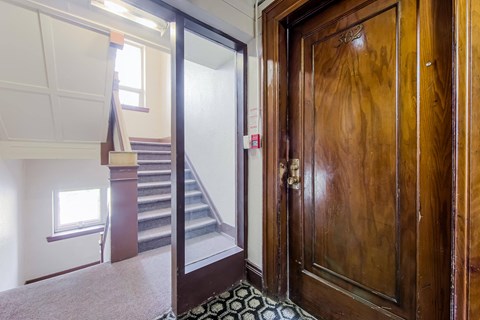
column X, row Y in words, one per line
column 466, row 254
column 436, row 40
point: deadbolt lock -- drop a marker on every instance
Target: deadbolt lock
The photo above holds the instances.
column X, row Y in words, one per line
column 293, row 179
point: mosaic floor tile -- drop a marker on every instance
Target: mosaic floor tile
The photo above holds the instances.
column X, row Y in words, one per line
column 243, row 302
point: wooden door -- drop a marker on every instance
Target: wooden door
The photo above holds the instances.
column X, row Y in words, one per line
column 355, row 125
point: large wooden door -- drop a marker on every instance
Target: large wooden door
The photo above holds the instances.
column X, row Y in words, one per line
column 354, row 124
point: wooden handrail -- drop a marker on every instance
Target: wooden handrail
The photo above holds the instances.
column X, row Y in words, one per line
column 120, row 125
column 116, row 125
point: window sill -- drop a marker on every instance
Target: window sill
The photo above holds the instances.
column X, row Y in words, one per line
column 75, row 233
column 133, row 108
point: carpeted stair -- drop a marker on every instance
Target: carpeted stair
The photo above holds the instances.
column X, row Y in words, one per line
column 154, row 199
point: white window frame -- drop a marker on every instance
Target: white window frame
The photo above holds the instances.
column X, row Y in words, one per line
column 83, row 224
column 142, row 90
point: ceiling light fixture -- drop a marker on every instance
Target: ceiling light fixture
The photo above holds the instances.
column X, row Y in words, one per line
column 114, row 7
column 132, row 13
column 147, row 23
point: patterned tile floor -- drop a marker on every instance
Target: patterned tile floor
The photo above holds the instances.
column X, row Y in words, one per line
column 244, row 302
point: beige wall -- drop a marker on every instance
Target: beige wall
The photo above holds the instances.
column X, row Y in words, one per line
column 42, row 177
column 11, row 196
column 155, row 123
column 210, row 132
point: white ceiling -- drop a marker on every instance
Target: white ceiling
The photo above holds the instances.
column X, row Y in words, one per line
column 55, row 78
column 206, row 52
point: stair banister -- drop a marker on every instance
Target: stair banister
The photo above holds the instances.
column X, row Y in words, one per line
column 122, row 217
column 120, row 125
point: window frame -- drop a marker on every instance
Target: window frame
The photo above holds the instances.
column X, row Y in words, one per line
column 142, row 91
column 84, row 225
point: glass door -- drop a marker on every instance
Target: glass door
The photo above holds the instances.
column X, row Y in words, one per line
column 208, row 162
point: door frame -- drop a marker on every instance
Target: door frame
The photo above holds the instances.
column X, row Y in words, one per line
column 193, row 284
column 277, row 19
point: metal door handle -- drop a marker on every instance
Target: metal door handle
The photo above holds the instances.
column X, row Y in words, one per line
column 293, row 180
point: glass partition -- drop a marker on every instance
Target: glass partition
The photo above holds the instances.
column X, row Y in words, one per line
column 210, row 124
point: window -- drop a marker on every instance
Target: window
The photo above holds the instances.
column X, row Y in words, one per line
column 130, row 67
column 78, row 209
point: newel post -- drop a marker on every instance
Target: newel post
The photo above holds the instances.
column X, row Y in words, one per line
column 123, row 205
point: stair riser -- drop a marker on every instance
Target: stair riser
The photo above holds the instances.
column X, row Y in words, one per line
column 163, row 190
column 155, row 223
column 151, row 147
column 142, row 207
column 154, row 166
column 157, row 243
column 149, row 156
column 161, row 177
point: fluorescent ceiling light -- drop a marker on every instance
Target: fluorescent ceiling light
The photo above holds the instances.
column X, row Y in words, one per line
column 114, row 7
column 132, row 13
column 147, row 23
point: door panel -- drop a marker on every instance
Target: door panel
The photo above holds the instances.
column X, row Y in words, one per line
column 353, row 127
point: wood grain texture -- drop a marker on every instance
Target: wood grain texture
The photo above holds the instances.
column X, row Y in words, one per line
column 124, row 212
column 423, row 164
column 461, row 156
column 435, row 180
column 353, row 159
column 359, row 162
column 474, row 183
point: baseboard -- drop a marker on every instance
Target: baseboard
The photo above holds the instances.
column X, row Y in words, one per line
column 254, row 275
column 159, row 140
column 228, row 230
column 56, row 274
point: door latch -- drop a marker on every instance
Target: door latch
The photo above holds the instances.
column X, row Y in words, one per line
column 293, row 179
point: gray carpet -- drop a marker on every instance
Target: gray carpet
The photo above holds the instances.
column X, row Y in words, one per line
column 137, row 288
column 134, row 289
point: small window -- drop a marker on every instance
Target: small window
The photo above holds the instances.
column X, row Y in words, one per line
column 130, row 67
column 78, row 209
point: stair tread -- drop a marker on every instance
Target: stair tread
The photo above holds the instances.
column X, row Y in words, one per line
column 165, row 212
column 166, row 196
column 160, row 184
column 153, row 161
column 166, row 230
column 153, row 152
column 151, row 143
column 155, row 172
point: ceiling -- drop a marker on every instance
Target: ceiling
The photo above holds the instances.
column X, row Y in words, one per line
column 55, row 78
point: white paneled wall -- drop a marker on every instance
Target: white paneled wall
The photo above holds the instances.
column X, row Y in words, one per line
column 55, row 78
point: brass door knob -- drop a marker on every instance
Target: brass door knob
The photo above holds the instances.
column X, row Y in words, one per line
column 293, row 180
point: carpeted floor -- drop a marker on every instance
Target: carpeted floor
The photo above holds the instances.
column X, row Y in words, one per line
column 134, row 289
column 243, row 302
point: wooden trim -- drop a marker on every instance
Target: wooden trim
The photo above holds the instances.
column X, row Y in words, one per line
column 124, row 212
column 254, row 275
column 155, row 140
column 274, row 149
column 204, row 191
column 56, row 274
column 178, row 164
column 242, row 154
column 120, row 124
column 75, row 233
column 133, row 108
column 218, row 271
column 433, row 92
column 185, row 291
column 461, row 225
column 466, row 241
column 108, row 145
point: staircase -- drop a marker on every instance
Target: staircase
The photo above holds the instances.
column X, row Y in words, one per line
column 154, row 199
